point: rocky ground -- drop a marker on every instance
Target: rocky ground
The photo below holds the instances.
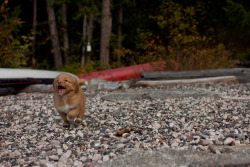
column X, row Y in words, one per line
column 31, row 132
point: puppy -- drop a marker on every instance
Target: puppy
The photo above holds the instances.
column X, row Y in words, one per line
column 69, row 99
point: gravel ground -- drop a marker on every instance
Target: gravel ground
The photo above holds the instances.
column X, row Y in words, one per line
column 31, row 131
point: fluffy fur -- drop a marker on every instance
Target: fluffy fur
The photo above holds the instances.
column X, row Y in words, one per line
column 69, row 99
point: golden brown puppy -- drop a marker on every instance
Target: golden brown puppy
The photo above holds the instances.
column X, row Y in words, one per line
column 69, row 99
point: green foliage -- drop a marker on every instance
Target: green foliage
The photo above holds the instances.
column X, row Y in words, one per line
column 86, row 7
column 14, row 49
column 148, row 47
column 244, row 55
column 186, row 34
column 73, row 68
column 238, row 14
column 93, row 65
column 185, row 44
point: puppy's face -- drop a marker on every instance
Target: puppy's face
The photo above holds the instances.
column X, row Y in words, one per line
column 64, row 84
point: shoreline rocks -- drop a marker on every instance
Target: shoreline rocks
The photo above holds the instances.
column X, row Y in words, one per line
column 32, row 133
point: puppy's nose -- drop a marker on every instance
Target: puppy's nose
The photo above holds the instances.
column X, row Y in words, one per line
column 59, row 82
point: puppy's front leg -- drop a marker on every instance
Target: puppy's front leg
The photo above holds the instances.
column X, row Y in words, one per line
column 63, row 115
column 72, row 116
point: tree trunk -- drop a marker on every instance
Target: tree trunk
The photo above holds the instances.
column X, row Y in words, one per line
column 54, row 36
column 90, row 35
column 106, row 27
column 119, row 34
column 33, row 58
column 65, row 34
column 84, row 35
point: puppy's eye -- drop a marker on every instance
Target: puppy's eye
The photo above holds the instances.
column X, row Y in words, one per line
column 66, row 80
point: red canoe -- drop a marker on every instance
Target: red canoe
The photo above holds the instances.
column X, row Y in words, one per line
column 125, row 73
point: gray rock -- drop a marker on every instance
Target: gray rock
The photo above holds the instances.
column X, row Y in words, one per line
column 41, row 88
column 170, row 157
column 109, row 85
column 93, row 83
column 131, row 96
column 213, row 149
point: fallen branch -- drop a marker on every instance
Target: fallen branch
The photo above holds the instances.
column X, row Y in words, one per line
column 242, row 74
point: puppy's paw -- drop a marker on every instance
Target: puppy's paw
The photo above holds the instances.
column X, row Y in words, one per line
column 78, row 120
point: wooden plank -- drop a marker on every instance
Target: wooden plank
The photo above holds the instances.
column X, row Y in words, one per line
column 243, row 74
column 186, row 81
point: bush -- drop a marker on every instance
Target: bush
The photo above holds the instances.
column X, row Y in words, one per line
column 184, row 43
column 14, row 50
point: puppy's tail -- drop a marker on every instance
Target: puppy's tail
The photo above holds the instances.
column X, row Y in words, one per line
column 82, row 82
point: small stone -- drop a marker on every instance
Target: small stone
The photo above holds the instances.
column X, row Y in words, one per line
column 183, row 120
column 79, row 133
column 65, row 147
column 119, row 146
column 137, row 144
column 46, row 163
column 60, row 164
column 83, row 158
column 174, row 144
column 120, row 132
column 241, row 137
column 97, row 144
column 18, row 132
column 213, row 149
column 226, row 130
column 77, row 163
column 105, row 158
column 59, row 151
column 225, row 116
column 171, row 125
column 96, row 157
column 201, row 148
column 204, row 142
column 196, row 139
column 237, row 142
column 65, row 156
column 102, row 122
column 190, row 138
column 112, row 155
column 16, row 153
column 125, row 135
column 56, row 143
column 218, row 142
column 54, row 157
column 216, row 124
column 156, row 125
column 229, row 141
column 158, row 115
column 104, row 129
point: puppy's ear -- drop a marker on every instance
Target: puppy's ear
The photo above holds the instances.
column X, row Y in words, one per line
column 54, row 83
column 76, row 86
column 82, row 82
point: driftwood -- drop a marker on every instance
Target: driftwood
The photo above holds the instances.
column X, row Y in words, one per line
column 242, row 74
column 186, row 81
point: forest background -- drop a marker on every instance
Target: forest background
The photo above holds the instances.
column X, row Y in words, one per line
column 89, row 35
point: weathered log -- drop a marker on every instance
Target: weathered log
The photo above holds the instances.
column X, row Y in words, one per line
column 186, row 81
column 242, row 74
